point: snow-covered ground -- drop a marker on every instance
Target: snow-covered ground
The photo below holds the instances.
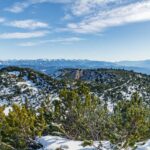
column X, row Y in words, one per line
column 146, row 146
column 55, row 142
column 16, row 73
column 7, row 110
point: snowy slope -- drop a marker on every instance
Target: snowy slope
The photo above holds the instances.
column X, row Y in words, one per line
column 19, row 85
column 146, row 146
column 110, row 84
column 54, row 142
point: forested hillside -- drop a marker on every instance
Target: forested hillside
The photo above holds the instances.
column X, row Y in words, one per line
column 110, row 84
column 78, row 104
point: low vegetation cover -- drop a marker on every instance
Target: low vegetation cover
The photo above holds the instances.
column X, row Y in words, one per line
column 88, row 105
column 77, row 115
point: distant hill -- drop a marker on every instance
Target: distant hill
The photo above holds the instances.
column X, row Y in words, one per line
column 18, row 85
column 110, row 84
column 52, row 66
column 142, row 64
column 138, row 66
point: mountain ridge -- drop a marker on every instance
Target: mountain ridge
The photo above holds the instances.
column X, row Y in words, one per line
column 50, row 66
column 20, row 84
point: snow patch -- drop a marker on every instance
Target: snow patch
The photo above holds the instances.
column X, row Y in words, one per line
column 146, row 146
column 54, row 142
column 7, row 110
column 16, row 73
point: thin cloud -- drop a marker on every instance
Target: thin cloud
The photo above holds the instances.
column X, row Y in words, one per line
column 23, row 35
column 59, row 40
column 90, row 16
column 21, row 6
column 135, row 12
column 28, row 24
column 2, row 20
column 84, row 7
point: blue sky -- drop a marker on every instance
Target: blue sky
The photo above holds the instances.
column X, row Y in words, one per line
column 109, row 30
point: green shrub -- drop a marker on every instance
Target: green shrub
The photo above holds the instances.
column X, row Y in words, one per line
column 87, row 143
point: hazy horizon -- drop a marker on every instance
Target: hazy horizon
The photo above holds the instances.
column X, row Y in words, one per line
column 73, row 59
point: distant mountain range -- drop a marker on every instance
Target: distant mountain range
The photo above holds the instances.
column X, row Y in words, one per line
column 51, row 66
column 137, row 66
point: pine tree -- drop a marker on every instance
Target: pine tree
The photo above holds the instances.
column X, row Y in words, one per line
column 22, row 126
column 3, row 145
column 131, row 122
column 72, row 109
